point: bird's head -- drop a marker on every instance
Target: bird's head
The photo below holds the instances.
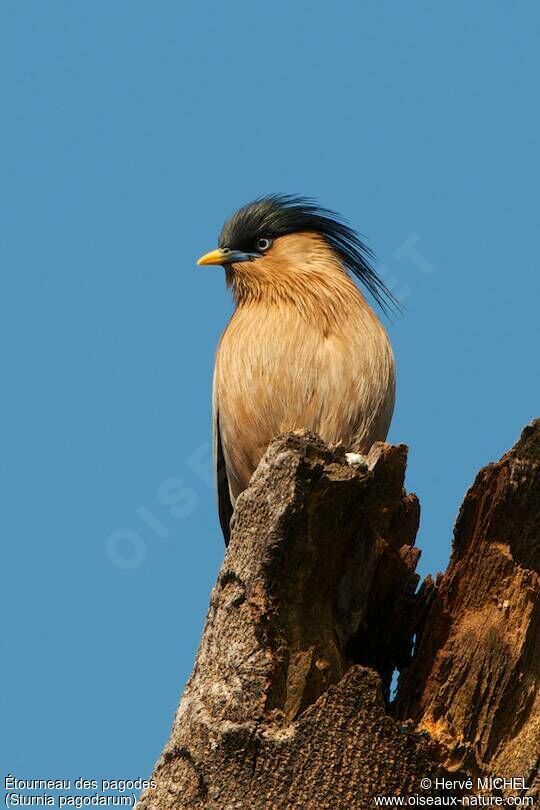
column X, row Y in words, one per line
column 281, row 239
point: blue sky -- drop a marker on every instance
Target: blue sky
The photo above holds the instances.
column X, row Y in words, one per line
column 129, row 132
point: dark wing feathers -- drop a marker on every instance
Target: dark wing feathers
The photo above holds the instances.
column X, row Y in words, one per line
column 225, row 507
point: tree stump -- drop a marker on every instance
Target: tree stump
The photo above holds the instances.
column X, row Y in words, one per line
column 316, row 607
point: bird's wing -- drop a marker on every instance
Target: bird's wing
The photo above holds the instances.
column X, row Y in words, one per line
column 225, row 507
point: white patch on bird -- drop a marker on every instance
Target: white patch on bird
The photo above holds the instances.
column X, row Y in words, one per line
column 356, row 460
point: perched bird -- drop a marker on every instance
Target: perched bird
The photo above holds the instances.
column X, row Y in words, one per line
column 303, row 348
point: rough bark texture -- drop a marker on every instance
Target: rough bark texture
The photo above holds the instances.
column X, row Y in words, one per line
column 473, row 684
column 314, row 609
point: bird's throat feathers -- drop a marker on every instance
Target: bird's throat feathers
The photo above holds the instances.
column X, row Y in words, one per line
column 302, row 271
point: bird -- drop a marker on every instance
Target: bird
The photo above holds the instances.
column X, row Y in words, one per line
column 303, row 349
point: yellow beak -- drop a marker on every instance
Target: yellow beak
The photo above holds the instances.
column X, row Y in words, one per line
column 227, row 256
column 214, row 257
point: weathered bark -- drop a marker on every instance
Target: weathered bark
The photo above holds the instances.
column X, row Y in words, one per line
column 473, row 684
column 314, row 609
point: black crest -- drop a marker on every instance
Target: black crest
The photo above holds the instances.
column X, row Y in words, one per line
column 281, row 214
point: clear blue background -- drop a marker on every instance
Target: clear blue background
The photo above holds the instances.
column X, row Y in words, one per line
column 130, row 130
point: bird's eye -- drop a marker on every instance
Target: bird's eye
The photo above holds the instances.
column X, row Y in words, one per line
column 263, row 243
